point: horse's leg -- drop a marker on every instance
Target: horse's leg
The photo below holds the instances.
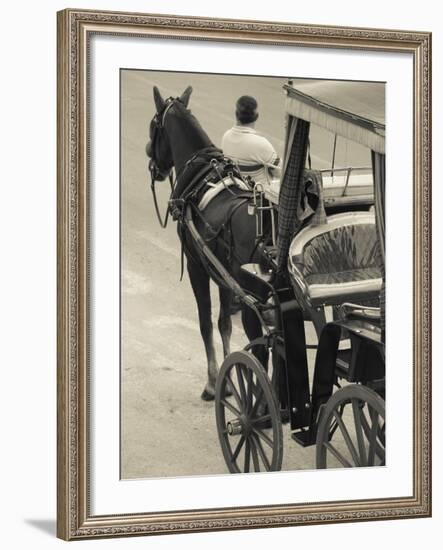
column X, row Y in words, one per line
column 200, row 285
column 224, row 319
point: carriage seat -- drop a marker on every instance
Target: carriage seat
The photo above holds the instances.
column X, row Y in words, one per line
column 337, row 261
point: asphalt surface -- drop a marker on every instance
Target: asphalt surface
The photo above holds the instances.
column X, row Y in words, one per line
column 166, row 429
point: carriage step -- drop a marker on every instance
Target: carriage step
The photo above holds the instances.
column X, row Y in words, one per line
column 305, row 438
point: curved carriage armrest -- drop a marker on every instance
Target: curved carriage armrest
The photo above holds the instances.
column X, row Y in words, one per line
column 360, row 328
column 362, row 321
column 358, row 311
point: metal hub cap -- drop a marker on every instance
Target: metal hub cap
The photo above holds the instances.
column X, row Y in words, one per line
column 234, row 427
column 239, row 426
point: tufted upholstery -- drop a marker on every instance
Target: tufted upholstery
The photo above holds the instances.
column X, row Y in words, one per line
column 337, row 261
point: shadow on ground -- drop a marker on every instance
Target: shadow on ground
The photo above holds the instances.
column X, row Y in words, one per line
column 48, row 526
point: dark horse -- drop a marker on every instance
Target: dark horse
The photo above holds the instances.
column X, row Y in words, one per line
column 177, row 140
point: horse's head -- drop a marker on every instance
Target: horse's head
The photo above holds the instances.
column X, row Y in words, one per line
column 158, row 148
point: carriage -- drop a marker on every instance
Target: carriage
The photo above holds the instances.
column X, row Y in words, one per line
column 335, row 264
column 321, row 266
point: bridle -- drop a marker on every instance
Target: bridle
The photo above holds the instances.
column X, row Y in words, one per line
column 154, row 170
column 200, row 157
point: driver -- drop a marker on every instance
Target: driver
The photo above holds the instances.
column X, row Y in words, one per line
column 253, row 153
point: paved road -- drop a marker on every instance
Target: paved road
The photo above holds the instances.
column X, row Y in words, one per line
column 166, row 429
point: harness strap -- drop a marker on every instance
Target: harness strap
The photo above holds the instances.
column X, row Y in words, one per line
column 202, row 176
column 182, row 251
column 214, row 169
column 205, row 153
column 162, row 221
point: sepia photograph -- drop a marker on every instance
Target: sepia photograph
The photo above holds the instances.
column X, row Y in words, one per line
column 252, row 274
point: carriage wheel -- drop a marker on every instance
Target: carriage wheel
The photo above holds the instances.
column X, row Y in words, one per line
column 247, row 415
column 380, row 441
column 351, row 431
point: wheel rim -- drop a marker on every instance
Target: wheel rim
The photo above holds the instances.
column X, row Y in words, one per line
column 351, row 431
column 380, row 440
column 248, row 419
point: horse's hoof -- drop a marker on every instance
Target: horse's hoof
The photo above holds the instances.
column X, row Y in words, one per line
column 207, row 396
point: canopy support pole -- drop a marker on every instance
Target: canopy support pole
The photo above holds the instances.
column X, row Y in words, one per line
column 290, row 190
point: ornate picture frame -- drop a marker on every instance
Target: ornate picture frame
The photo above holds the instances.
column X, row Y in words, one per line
column 75, row 30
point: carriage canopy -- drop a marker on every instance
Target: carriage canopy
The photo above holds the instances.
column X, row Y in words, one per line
column 353, row 110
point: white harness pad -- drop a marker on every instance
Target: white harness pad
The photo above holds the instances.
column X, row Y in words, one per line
column 216, row 188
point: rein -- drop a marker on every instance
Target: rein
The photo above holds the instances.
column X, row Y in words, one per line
column 163, row 221
column 154, row 170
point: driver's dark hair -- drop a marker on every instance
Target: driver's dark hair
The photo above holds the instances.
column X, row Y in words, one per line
column 246, row 109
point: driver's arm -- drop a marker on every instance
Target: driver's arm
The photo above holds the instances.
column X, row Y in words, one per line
column 275, row 168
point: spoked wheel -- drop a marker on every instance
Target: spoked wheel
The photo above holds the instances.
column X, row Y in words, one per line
column 380, row 439
column 247, row 415
column 351, row 431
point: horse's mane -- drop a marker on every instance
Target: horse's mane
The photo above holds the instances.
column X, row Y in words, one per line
column 183, row 113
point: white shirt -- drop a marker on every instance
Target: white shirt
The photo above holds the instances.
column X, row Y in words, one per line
column 248, row 148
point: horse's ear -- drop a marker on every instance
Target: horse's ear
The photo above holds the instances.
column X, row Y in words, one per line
column 184, row 98
column 159, row 101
